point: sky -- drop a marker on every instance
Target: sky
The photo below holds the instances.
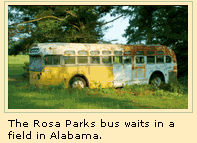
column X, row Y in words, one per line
column 117, row 30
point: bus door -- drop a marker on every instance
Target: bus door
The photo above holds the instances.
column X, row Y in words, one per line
column 139, row 69
column 128, row 76
column 52, row 72
column 82, row 63
column 118, row 71
column 168, row 68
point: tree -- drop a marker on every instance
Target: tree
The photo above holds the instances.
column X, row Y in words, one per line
column 165, row 25
column 69, row 24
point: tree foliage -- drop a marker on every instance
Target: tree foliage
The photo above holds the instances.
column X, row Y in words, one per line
column 165, row 25
column 69, row 24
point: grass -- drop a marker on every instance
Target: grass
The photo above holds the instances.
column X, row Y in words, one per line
column 15, row 66
column 22, row 95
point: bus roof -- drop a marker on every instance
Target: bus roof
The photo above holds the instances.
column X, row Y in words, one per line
column 58, row 43
column 60, row 48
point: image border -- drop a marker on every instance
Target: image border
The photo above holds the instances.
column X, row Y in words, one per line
column 89, row 110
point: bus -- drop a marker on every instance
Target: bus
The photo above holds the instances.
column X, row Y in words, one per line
column 101, row 65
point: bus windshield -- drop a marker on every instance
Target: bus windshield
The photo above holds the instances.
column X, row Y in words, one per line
column 35, row 63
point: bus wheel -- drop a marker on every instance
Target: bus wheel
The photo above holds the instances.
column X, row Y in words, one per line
column 78, row 82
column 156, row 80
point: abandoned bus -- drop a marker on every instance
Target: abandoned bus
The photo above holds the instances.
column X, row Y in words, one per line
column 100, row 65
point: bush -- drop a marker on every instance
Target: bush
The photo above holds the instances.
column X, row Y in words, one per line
column 26, row 67
column 25, row 75
column 175, row 87
column 60, row 86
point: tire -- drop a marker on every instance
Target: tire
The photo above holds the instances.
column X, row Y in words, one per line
column 156, row 80
column 78, row 82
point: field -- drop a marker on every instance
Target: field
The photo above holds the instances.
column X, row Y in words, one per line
column 22, row 95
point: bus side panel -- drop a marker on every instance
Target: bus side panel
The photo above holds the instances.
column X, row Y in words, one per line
column 118, row 72
column 68, row 72
column 161, row 68
column 83, row 70
column 57, row 75
column 168, row 67
column 139, row 71
column 150, row 68
column 101, row 76
column 128, row 74
column 51, row 76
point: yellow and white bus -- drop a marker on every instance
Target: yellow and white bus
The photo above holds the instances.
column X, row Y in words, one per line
column 104, row 65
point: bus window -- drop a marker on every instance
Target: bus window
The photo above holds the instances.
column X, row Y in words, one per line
column 35, row 63
column 127, row 52
column 139, row 60
column 48, row 60
column 160, row 52
column 82, row 52
column 150, row 52
column 168, row 59
column 140, row 52
column 150, row 59
column 107, row 60
column 160, row 59
column 69, row 52
column 127, row 59
column 95, row 52
column 95, row 60
column 52, row 60
column 56, row 60
column 117, row 52
column 117, row 59
column 83, row 60
column 69, row 60
column 106, row 52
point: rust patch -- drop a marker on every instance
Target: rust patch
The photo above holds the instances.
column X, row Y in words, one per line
column 133, row 67
column 138, row 67
column 133, row 59
column 175, row 67
column 171, row 53
column 54, row 51
column 128, row 48
column 135, row 48
column 136, row 74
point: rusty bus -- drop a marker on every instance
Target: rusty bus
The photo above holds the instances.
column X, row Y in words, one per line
column 104, row 65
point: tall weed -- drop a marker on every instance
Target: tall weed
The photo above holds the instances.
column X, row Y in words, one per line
column 25, row 75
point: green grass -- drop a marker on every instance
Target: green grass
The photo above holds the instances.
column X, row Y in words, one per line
column 15, row 66
column 22, row 95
